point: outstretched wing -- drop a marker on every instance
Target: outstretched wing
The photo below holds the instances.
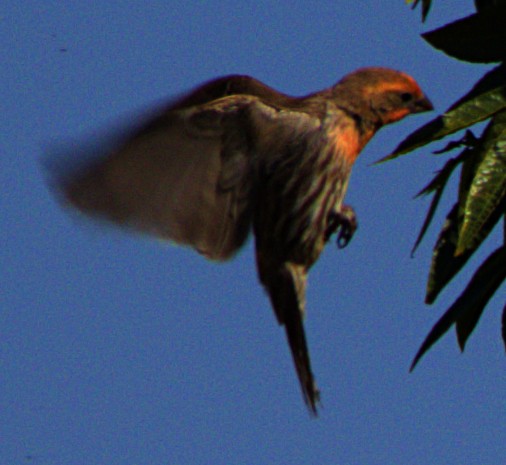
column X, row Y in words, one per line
column 187, row 176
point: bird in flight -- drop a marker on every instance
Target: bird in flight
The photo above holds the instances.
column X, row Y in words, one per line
column 235, row 156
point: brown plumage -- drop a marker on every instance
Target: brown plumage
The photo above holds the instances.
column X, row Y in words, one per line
column 236, row 155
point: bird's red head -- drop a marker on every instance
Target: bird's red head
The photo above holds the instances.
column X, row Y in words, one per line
column 384, row 94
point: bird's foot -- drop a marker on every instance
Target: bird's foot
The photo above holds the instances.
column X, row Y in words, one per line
column 343, row 223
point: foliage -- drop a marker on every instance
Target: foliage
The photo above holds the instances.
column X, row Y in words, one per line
column 481, row 197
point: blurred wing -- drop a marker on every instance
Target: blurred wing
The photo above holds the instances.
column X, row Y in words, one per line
column 187, row 177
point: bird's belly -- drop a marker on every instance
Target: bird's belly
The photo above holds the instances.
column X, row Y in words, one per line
column 292, row 218
column 308, row 243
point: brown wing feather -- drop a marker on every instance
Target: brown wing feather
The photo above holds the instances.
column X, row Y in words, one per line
column 186, row 177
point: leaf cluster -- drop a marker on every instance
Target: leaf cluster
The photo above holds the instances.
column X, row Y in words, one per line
column 481, row 197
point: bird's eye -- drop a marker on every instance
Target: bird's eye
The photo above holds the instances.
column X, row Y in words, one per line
column 406, row 97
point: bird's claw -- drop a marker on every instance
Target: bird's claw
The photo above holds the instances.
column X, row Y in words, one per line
column 344, row 224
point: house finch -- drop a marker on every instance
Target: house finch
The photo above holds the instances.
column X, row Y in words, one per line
column 235, row 155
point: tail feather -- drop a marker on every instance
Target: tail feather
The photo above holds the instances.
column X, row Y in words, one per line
column 286, row 289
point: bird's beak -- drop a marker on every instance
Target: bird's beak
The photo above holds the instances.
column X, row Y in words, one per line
column 424, row 104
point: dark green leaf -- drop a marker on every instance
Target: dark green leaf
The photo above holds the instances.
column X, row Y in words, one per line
column 485, row 282
column 482, row 5
column 479, row 38
column 428, row 219
column 445, row 264
column 467, row 309
column 492, row 81
column 469, row 167
column 439, row 181
column 485, row 99
column 440, row 328
column 437, row 184
column 468, row 139
column 488, row 187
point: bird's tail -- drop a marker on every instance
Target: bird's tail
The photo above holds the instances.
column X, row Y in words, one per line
column 287, row 289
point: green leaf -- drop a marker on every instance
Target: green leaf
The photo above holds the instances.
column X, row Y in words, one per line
column 439, row 181
column 478, row 38
column 469, row 167
column 468, row 140
column 483, row 285
column 445, row 264
column 485, row 99
column 488, row 188
column 438, row 185
column 467, row 309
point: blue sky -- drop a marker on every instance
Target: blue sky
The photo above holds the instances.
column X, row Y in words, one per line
column 116, row 349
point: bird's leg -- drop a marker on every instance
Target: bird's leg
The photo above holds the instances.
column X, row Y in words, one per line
column 343, row 223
